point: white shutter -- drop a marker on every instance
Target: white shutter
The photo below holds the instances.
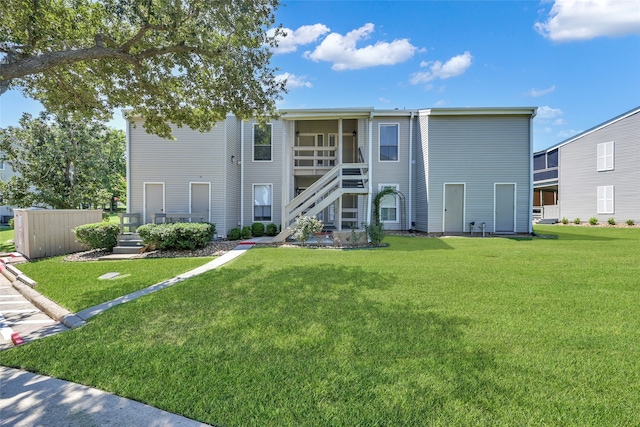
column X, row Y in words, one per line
column 605, row 199
column 605, row 156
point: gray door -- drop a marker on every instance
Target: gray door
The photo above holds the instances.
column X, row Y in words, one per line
column 505, row 208
column 349, row 149
column 200, row 199
column 153, row 201
column 454, row 208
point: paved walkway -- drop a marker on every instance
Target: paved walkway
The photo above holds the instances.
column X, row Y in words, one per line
column 31, row 400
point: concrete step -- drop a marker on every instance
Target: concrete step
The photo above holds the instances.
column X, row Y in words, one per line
column 131, row 250
column 114, row 257
column 130, row 243
column 548, row 221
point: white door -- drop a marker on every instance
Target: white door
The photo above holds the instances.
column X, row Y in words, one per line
column 200, row 199
column 505, row 208
column 153, row 200
column 453, row 208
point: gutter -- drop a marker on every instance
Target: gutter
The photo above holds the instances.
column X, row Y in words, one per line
column 410, row 170
column 370, row 160
column 241, row 173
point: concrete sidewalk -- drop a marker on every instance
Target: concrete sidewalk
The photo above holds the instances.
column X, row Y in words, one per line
column 32, row 400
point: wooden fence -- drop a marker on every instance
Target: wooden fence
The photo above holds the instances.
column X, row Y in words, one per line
column 43, row 233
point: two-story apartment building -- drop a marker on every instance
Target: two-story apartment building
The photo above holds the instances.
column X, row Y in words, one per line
column 450, row 167
column 593, row 174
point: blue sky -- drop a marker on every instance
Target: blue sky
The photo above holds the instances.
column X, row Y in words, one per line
column 577, row 60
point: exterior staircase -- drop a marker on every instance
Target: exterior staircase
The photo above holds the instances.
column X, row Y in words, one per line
column 128, row 244
column 346, row 178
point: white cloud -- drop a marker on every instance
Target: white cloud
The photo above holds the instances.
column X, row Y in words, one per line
column 567, row 133
column 294, row 81
column 384, row 100
column 539, row 92
column 293, row 38
column 587, row 19
column 560, row 122
column 545, row 112
column 437, row 70
column 342, row 50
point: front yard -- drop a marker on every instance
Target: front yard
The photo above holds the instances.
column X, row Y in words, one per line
column 451, row 331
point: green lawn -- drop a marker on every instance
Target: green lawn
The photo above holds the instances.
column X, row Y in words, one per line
column 75, row 285
column 451, row 331
column 6, row 239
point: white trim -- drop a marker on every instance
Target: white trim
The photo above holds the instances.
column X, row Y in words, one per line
column 531, row 174
column 242, row 143
column 410, row 208
column 397, row 199
column 191, row 193
column 253, row 143
column 128, row 163
column 515, row 203
column 253, row 200
column 370, row 163
column 144, row 198
column 481, row 111
column 380, row 142
column 464, row 203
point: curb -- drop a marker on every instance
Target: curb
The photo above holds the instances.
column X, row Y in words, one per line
column 25, row 285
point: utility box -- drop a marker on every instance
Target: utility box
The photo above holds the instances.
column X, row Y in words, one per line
column 40, row 233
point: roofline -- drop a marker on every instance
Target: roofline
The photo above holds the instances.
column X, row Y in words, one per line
column 325, row 113
column 593, row 129
column 485, row 111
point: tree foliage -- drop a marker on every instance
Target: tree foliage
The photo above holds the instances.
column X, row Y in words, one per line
column 62, row 163
column 185, row 62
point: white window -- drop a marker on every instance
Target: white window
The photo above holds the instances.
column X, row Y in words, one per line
column 262, row 202
column 389, row 204
column 605, row 199
column 605, row 156
column 1, row 165
column 389, row 136
column 262, row 146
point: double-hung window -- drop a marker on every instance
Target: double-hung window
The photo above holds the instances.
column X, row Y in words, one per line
column 262, row 143
column 262, row 202
column 389, row 136
column 605, row 156
column 389, row 204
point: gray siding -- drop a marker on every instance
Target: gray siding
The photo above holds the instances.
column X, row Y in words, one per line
column 232, row 187
column 393, row 172
column 192, row 157
column 579, row 177
column 479, row 151
column 264, row 172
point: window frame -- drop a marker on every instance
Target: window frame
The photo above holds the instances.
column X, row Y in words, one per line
column 605, row 160
column 254, row 146
column 605, row 199
column 396, row 187
column 380, row 145
column 254, row 205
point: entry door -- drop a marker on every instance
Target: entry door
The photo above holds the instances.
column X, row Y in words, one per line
column 349, row 149
column 505, row 208
column 453, row 208
column 153, row 200
column 200, row 199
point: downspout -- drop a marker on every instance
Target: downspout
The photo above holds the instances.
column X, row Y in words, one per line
column 370, row 156
column 410, row 169
column 530, row 172
column 242, row 162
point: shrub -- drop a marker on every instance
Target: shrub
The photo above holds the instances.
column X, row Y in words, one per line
column 234, row 234
column 307, row 225
column 101, row 235
column 246, row 232
column 105, row 216
column 375, row 232
column 630, row 222
column 611, row 221
column 565, row 221
column 11, row 223
column 576, row 221
column 257, row 229
column 272, row 230
column 593, row 220
column 179, row 235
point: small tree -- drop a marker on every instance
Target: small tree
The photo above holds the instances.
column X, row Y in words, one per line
column 307, row 226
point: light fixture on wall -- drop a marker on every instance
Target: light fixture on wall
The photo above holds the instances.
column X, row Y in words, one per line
column 233, row 158
column 297, row 133
column 355, row 133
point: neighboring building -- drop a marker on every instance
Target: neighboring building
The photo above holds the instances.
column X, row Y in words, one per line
column 593, row 174
column 450, row 166
column 6, row 173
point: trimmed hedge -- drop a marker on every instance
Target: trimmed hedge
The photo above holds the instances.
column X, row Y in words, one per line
column 179, row 235
column 101, row 235
column 257, row 229
column 272, row 230
column 234, row 234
